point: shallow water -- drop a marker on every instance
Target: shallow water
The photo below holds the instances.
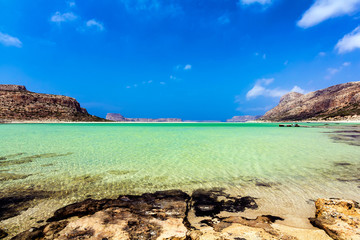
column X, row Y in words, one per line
column 286, row 168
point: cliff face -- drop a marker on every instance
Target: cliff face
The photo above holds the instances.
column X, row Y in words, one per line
column 120, row 118
column 18, row 104
column 333, row 103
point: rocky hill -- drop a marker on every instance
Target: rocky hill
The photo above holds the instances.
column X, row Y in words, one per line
column 339, row 102
column 120, row 118
column 19, row 104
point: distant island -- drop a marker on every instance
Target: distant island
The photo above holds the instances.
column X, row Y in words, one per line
column 335, row 103
column 19, row 104
column 245, row 118
column 117, row 117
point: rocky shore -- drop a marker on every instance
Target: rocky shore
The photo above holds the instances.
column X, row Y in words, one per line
column 176, row 215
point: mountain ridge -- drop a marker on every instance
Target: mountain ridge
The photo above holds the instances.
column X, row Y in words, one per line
column 338, row 102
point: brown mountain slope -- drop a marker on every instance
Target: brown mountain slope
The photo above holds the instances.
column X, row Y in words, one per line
column 332, row 103
column 18, row 104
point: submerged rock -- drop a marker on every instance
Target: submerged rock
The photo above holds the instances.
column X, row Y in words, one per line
column 3, row 234
column 212, row 202
column 339, row 218
column 13, row 204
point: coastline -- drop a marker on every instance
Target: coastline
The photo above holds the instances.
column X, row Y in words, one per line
column 274, row 122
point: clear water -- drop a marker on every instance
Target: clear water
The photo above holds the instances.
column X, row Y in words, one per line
column 106, row 160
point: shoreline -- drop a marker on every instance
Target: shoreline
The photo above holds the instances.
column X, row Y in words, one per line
column 67, row 122
column 205, row 213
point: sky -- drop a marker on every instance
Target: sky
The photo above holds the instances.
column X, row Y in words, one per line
column 189, row 59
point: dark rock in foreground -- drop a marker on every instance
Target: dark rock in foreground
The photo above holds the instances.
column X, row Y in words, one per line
column 3, row 234
column 208, row 203
column 159, row 215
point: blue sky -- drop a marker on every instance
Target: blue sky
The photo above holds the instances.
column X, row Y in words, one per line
column 192, row 59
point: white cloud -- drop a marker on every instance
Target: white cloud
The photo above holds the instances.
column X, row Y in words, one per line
column 182, row 67
column 322, row 54
column 298, row 90
column 71, row 3
column 95, row 24
column 187, row 67
column 349, row 42
column 262, row 55
column 224, row 19
column 65, row 17
column 333, row 71
column 322, row 10
column 10, row 41
column 248, row 2
column 143, row 83
column 260, row 89
column 162, row 83
column 158, row 7
column 172, row 77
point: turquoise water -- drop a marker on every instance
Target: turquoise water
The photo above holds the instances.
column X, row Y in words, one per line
column 285, row 168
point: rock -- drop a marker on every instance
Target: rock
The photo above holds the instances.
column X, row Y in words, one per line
column 3, row 234
column 18, row 104
column 13, row 204
column 32, row 233
column 149, row 216
column 120, row 118
column 240, row 228
column 245, row 118
column 339, row 218
column 212, row 202
column 159, row 215
column 10, row 87
column 339, row 102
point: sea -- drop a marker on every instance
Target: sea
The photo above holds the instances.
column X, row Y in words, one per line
column 47, row 166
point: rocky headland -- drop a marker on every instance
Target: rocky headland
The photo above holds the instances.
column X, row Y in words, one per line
column 120, row 118
column 19, row 104
column 335, row 103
